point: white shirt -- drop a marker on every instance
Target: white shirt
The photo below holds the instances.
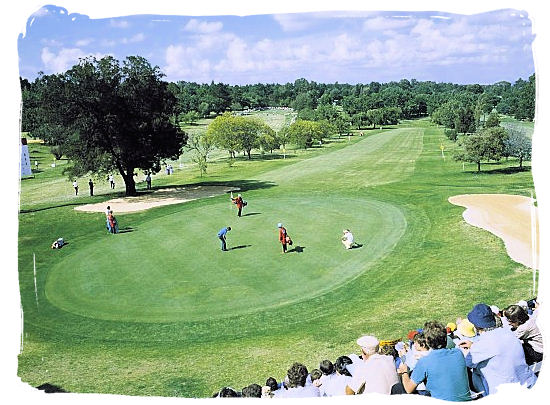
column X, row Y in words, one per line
column 378, row 373
column 299, row 392
column 349, row 237
column 75, row 184
column 335, row 385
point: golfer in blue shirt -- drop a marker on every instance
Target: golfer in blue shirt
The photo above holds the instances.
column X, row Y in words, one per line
column 221, row 236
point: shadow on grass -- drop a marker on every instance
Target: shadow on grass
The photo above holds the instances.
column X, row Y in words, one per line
column 126, row 230
column 501, row 170
column 48, row 208
column 239, row 247
column 357, row 246
column 297, row 249
column 50, row 388
column 241, row 185
column 252, row 213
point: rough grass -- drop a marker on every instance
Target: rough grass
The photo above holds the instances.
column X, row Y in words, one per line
column 437, row 269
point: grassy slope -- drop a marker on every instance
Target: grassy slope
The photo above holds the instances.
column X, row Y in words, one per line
column 438, row 269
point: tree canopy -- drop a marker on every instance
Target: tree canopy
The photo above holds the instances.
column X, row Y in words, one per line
column 109, row 116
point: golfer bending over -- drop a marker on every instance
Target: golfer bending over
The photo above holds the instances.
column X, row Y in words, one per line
column 221, row 236
column 347, row 239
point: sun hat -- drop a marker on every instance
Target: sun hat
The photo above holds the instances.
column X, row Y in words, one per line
column 466, row 328
column 368, row 343
column 451, row 327
column 482, row 316
column 279, row 225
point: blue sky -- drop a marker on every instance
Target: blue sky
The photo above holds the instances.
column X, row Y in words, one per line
column 349, row 47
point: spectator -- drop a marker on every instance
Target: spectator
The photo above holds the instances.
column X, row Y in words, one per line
column 252, row 391
column 442, row 370
column 496, row 357
column 376, row 373
column 227, row 392
column 315, row 377
column 274, row 389
column 297, row 376
column 526, row 330
column 336, row 385
column 347, row 239
column 327, row 368
column 464, row 331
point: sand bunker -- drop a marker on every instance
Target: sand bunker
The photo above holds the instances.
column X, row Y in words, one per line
column 512, row 218
column 157, row 198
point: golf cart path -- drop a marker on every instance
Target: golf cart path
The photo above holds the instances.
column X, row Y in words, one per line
column 512, row 218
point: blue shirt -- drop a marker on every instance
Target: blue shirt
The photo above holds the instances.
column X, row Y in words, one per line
column 499, row 356
column 444, row 373
column 222, row 232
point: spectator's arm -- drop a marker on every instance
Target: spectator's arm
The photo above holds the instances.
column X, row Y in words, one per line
column 408, row 384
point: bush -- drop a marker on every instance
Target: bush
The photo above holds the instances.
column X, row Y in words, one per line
column 56, row 151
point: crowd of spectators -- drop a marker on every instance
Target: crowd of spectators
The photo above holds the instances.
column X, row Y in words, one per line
column 461, row 361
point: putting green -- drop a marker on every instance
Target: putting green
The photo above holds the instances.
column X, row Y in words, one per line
column 172, row 269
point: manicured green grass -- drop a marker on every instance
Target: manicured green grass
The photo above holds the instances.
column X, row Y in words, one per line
column 161, row 311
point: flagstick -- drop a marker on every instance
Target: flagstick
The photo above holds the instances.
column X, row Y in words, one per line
column 534, row 244
column 34, row 271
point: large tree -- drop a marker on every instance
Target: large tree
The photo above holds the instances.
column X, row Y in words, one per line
column 518, row 145
column 113, row 117
column 489, row 144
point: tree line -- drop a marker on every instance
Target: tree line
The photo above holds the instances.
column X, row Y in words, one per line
column 107, row 115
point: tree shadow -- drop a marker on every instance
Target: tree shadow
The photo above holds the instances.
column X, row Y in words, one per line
column 50, row 388
column 239, row 247
column 252, row 213
column 48, row 208
column 297, row 249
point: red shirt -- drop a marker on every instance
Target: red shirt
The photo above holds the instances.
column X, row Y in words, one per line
column 282, row 235
column 238, row 201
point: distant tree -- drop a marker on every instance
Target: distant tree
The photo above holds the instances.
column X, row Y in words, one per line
column 189, row 117
column 200, row 145
column 268, row 139
column 375, row 117
column 303, row 133
column 518, row 145
column 493, row 120
column 342, row 124
column 465, row 121
column 111, row 117
column 489, row 144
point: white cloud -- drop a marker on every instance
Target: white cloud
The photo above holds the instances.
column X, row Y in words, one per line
column 384, row 23
column 136, row 38
column 184, row 63
column 84, row 42
column 293, row 22
column 119, row 23
column 64, row 59
column 203, row 27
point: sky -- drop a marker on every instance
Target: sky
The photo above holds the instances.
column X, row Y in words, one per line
column 345, row 47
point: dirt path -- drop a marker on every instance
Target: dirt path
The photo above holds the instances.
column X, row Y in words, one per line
column 512, row 218
column 157, row 198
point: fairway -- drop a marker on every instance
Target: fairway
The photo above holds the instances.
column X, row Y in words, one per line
column 138, row 308
column 171, row 269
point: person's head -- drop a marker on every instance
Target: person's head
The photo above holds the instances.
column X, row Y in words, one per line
column 279, row 225
column 272, row 383
column 238, row 195
column 111, row 212
column 228, row 228
column 316, row 374
column 252, row 391
column 228, row 392
column 297, row 375
column 368, row 345
column 387, row 350
column 482, row 317
column 420, row 343
column 435, row 334
column 109, row 207
column 516, row 315
column 326, row 367
column 341, row 365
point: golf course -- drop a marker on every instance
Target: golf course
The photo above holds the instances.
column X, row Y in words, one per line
column 159, row 310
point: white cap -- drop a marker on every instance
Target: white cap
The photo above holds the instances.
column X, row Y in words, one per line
column 495, row 309
column 279, row 225
column 368, row 343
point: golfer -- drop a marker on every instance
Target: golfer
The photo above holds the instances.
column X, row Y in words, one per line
column 239, row 203
column 91, row 185
column 221, row 235
column 347, row 239
column 75, row 185
column 283, row 236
